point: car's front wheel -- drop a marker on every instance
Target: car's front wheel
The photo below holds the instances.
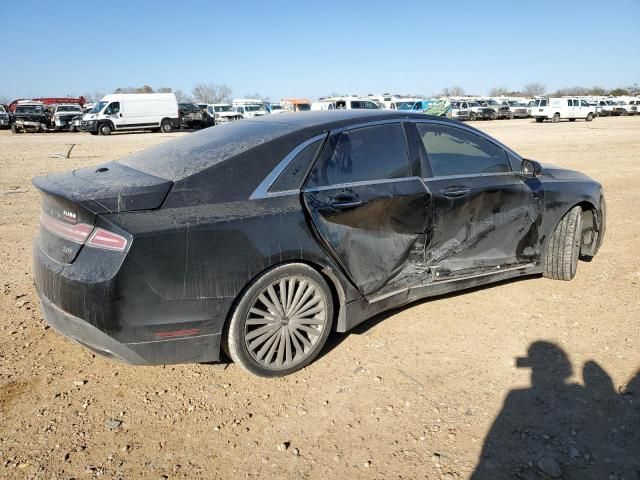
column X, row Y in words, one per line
column 281, row 321
column 563, row 249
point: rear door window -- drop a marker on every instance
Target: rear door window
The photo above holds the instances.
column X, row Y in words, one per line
column 293, row 176
column 365, row 154
column 454, row 151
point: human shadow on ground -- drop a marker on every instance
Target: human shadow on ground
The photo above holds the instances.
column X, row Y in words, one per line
column 557, row 429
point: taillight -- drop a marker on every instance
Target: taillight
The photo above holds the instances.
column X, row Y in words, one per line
column 101, row 238
column 77, row 233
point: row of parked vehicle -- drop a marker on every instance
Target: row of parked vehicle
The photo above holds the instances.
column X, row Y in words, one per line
column 162, row 112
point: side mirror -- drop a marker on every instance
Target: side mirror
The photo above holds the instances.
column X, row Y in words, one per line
column 530, row 168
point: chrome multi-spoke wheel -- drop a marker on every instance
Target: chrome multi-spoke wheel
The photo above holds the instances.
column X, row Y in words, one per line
column 282, row 321
column 285, row 322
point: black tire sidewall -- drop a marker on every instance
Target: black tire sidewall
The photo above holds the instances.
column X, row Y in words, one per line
column 166, row 127
column 234, row 332
column 104, row 131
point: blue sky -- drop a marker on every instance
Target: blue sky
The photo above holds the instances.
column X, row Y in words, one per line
column 309, row 49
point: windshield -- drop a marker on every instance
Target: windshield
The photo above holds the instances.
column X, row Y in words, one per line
column 405, row 105
column 2, row 110
column 29, row 109
column 69, row 108
column 97, row 108
column 189, row 107
column 276, row 107
column 474, row 104
column 253, row 108
column 223, row 108
column 304, row 107
column 185, row 156
column 491, row 102
column 514, row 104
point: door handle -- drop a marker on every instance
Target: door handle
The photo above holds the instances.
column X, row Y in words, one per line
column 456, row 192
column 346, row 205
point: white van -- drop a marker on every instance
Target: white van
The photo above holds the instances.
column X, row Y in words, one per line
column 344, row 103
column 556, row 109
column 132, row 111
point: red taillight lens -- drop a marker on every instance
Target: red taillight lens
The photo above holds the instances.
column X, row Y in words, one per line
column 77, row 233
column 101, row 238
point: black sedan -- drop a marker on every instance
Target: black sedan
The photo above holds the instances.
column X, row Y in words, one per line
column 264, row 235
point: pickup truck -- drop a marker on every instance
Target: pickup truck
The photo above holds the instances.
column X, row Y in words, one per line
column 30, row 117
column 5, row 119
column 64, row 117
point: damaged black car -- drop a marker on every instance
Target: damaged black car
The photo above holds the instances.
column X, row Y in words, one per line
column 263, row 236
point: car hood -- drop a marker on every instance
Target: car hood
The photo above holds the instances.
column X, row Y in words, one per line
column 560, row 173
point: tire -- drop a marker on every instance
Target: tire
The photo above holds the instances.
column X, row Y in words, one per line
column 494, row 116
column 104, row 129
column 93, row 133
column 555, row 118
column 472, row 116
column 572, row 119
column 539, row 119
column 14, row 129
column 589, row 117
column 166, row 126
column 563, row 250
column 511, row 116
column 72, row 128
column 279, row 348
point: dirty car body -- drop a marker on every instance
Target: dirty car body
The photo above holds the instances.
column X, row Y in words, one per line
column 143, row 259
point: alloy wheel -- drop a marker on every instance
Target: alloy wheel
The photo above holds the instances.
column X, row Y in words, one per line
column 285, row 322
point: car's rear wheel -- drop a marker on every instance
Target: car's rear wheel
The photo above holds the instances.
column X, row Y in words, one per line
column 555, row 118
column 281, row 322
column 167, row 126
column 472, row 116
column 563, row 249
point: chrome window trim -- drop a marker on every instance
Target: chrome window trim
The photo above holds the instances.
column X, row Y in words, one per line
column 362, row 183
column 262, row 191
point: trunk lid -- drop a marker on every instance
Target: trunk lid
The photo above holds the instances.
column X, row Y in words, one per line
column 72, row 200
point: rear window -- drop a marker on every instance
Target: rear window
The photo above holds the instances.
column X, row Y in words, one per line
column 180, row 158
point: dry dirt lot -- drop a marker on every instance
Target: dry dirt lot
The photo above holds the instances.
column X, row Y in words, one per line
column 410, row 394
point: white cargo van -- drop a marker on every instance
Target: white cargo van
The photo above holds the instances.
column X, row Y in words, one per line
column 556, row 109
column 132, row 111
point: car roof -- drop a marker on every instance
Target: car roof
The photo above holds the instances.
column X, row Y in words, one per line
column 330, row 119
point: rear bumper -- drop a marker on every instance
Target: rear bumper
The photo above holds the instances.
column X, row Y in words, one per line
column 89, row 302
column 203, row 348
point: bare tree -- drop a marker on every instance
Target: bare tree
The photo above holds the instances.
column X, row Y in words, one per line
column 498, row 91
column 94, row 96
column 182, row 97
column 4, row 100
column 533, row 89
column 211, row 93
column 599, row 91
column 454, row 91
column 164, row 90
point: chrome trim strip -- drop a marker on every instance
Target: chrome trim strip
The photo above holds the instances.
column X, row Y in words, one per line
column 458, row 279
column 361, row 183
column 262, row 191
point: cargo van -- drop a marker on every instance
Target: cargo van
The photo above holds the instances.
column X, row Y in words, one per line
column 132, row 111
column 565, row 108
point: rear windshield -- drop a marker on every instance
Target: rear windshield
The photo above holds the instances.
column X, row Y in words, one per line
column 180, row 158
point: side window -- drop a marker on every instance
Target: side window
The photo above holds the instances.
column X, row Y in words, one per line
column 454, row 151
column 292, row 176
column 356, row 104
column 369, row 153
column 583, row 103
column 113, row 108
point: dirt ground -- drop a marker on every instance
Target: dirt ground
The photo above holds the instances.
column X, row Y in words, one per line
column 410, row 394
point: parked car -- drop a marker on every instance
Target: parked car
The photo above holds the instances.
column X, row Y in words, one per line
column 207, row 118
column 30, row 117
column 556, row 109
column 190, row 115
column 460, row 110
column 276, row 108
column 517, row 109
column 223, row 113
column 345, row 103
column 296, row 104
column 133, row 111
column 478, row 111
column 66, row 116
column 501, row 110
column 5, row 119
column 627, row 108
column 263, row 236
column 250, row 111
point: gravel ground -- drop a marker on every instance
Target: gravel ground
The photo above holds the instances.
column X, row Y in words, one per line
column 431, row 390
